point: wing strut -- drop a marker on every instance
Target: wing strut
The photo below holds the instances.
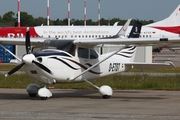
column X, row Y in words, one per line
column 98, row 63
column 91, row 83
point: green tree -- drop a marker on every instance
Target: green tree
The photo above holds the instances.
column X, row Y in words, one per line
column 40, row 21
column 114, row 20
column 65, row 21
column 9, row 18
column 104, row 21
column 1, row 20
column 90, row 22
column 77, row 22
column 26, row 19
column 58, row 22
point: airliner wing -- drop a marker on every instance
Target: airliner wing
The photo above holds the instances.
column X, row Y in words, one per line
column 121, row 33
column 123, row 30
column 128, row 41
column 21, row 41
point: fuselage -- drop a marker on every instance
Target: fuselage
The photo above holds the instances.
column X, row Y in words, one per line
column 68, row 61
column 86, row 32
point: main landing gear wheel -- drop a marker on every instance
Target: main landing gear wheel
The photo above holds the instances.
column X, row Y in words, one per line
column 106, row 91
column 44, row 98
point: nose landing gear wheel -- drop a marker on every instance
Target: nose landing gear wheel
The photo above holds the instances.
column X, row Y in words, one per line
column 44, row 93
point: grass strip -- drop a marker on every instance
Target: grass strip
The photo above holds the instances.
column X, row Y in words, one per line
column 7, row 67
column 135, row 82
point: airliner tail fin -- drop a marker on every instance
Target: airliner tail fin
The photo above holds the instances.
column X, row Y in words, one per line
column 136, row 30
column 172, row 20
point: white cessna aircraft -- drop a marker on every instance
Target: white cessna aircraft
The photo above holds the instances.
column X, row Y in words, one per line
column 71, row 61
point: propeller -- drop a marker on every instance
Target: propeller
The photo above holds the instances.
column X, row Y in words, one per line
column 28, row 43
column 14, row 69
column 42, row 67
column 28, row 58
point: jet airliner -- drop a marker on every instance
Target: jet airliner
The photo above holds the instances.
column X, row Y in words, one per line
column 169, row 27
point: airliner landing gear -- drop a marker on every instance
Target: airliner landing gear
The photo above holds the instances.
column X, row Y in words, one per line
column 105, row 90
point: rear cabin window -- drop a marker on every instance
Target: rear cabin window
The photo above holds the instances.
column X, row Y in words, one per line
column 87, row 53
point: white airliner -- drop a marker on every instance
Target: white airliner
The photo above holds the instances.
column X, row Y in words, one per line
column 169, row 27
column 71, row 61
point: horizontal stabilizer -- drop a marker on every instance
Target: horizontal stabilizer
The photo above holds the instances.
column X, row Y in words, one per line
column 140, row 65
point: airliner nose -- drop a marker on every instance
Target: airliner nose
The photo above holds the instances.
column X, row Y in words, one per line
column 27, row 59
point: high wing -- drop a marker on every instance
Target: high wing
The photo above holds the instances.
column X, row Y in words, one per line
column 128, row 41
column 136, row 42
column 21, row 41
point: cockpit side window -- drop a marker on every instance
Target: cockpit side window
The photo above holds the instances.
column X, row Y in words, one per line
column 93, row 54
column 87, row 53
column 83, row 53
column 64, row 45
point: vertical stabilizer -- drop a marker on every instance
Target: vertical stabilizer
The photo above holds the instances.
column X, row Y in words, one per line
column 128, row 53
column 136, row 30
column 172, row 20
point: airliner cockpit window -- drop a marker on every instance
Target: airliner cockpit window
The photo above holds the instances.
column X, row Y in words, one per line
column 64, row 45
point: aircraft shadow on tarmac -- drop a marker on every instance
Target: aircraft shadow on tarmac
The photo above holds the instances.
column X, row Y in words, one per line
column 79, row 93
column 57, row 94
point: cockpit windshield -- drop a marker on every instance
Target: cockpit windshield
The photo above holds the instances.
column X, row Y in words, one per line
column 65, row 45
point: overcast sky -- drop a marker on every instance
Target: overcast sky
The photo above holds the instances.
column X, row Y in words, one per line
column 137, row 9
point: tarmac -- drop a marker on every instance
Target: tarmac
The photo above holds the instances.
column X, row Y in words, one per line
column 167, row 55
column 77, row 104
